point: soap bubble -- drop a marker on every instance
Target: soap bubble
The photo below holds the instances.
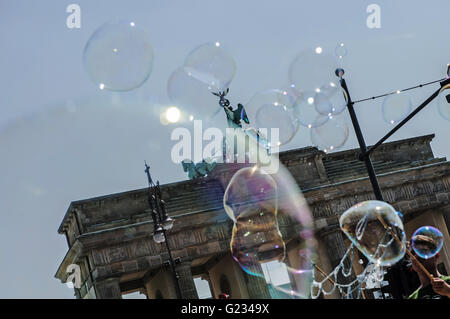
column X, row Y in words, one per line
column 289, row 96
column 306, row 112
column 363, row 226
column 338, row 102
column 330, row 136
column 191, row 96
column 427, row 241
column 396, row 107
column 328, row 89
column 118, row 56
column 341, row 50
column 311, row 69
column 322, row 104
column 444, row 102
column 212, row 65
column 335, row 101
column 268, row 211
column 273, row 109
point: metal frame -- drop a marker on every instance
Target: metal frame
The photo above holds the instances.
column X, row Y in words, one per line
column 365, row 153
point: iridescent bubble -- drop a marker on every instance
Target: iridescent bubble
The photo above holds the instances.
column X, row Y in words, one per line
column 118, row 56
column 396, row 107
column 259, row 201
column 212, row 65
column 444, row 102
column 341, row 50
column 336, row 96
column 367, row 225
column 311, row 69
column 272, row 109
column 289, row 96
column 330, row 136
column 306, row 112
column 323, row 104
column 328, row 89
column 427, row 241
column 191, row 96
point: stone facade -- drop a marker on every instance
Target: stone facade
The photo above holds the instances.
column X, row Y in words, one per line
column 110, row 237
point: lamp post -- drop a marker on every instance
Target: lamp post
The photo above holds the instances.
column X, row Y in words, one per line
column 365, row 153
column 162, row 223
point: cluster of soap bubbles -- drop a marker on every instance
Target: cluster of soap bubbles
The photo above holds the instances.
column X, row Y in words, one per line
column 208, row 68
column 274, row 109
column 321, row 100
column 312, row 98
column 119, row 57
column 268, row 212
column 263, row 202
column 375, row 228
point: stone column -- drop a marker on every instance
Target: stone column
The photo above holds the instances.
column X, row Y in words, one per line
column 256, row 286
column 186, row 281
column 108, row 289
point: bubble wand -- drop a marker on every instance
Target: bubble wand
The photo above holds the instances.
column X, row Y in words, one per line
column 427, row 273
column 328, row 278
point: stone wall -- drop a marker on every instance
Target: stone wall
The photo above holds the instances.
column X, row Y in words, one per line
column 115, row 232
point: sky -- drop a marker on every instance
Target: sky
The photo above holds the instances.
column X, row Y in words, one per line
column 62, row 139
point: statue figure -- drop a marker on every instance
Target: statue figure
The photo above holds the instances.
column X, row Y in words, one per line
column 197, row 170
column 234, row 117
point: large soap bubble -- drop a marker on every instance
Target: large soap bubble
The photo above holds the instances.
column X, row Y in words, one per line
column 427, row 241
column 323, row 104
column 212, row 65
column 332, row 135
column 268, row 212
column 312, row 69
column 396, row 107
column 337, row 97
column 191, row 97
column 290, row 96
column 118, row 56
column 273, row 109
column 444, row 102
column 368, row 225
column 306, row 111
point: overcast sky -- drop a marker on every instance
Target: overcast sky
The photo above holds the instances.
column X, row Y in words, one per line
column 62, row 139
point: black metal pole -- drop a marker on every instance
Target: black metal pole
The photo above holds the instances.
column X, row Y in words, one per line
column 172, row 264
column 362, row 143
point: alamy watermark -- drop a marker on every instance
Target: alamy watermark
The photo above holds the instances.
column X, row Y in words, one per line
column 374, row 18
column 74, row 279
column 241, row 146
column 73, row 20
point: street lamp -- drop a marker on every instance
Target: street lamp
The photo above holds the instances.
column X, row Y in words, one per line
column 161, row 222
